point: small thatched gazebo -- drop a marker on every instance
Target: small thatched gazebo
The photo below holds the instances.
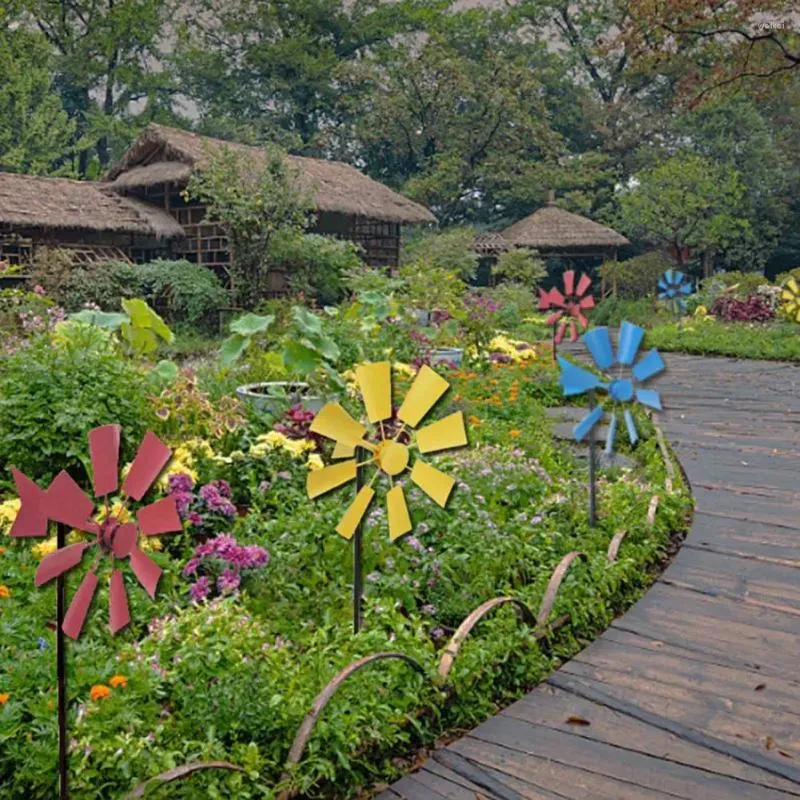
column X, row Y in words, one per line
column 84, row 217
column 349, row 204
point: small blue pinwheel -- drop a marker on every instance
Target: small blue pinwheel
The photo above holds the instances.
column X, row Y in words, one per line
column 674, row 286
column 621, row 390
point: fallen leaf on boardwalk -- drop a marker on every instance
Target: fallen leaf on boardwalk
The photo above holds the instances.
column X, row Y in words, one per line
column 770, row 743
column 785, row 754
column 576, row 720
column 760, row 687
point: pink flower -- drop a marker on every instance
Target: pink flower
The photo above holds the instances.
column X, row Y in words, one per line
column 39, row 290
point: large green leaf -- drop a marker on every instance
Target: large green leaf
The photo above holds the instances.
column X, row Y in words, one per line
column 232, row 348
column 250, row 324
column 300, row 359
column 307, row 322
column 142, row 316
column 102, row 319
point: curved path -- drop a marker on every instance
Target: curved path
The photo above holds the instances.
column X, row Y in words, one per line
column 695, row 692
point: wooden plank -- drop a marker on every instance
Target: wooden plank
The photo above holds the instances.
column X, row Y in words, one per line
column 644, row 772
column 746, row 726
column 562, row 710
column 746, row 580
column 422, row 785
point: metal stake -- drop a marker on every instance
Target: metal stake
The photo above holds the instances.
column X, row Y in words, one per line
column 555, row 325
column 61, row 673
column 592, row 449
column 357, row 548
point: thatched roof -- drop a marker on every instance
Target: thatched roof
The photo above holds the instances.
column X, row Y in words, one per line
column 337, row 187
column 30, row 202
column 552, row 228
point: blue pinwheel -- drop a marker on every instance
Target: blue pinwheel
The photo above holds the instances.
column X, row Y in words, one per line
column 674, row 286
column 622, row 389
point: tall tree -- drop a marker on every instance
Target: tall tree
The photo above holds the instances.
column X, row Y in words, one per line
column 36, row 134
column 273, row 65
column 106, row 57
column 685, row 201
column 450, row 117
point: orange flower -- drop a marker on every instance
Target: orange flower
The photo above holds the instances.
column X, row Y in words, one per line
column 99, row 692
column 513, row 434
column 4, row 698
column 2, row 550
column 473, row 420
column 118, row 681
column 5, row 592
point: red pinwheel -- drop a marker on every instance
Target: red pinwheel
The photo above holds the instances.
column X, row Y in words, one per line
column 66, row 503
column 569, row 305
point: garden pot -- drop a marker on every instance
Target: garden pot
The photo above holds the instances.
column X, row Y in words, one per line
column 447, row 355
column 275, row 396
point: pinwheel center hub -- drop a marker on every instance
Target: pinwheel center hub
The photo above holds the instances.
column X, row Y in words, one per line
column 621, row 391
column 108, row 532
column 392, row 457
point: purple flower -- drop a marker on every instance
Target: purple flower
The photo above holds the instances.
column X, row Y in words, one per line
column 194, row 518
column 200, row 589
column 255, row 557
column 415, row 543
column 191, row 567
column 209, row 493
column 229, row 581
column 223, row 487
column 180, row 482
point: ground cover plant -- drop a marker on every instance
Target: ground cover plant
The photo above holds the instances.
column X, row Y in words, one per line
column 253, row 612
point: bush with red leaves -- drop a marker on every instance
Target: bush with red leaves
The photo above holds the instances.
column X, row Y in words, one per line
column 754, row 309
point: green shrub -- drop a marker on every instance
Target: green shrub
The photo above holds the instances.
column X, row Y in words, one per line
column 185, row 292
column 58, row 387
column 613, row 310
column 520, row 266
column 740, row 285
column 638, row 276
column 514, row 303
column 451, row 251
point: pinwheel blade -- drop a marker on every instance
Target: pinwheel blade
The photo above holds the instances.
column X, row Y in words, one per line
column 321, row 481
column 612, row 435
column 104, row 452
column 649, row 397
column 556, row 298
column 544, row 300
column 343, row 451
column 31, row 519
column 124, row 540
column 581, row 430
column 598, row 342
column 553, row 318
column 63, row 560
column 159, row 517
column 586, row 302
column 443, row 435
column 397, row 511
column 375, row 382
column 686, row 288
column 146, row 571
column 562, row 329
column 67, row 503
column 151, row 457
column 583, row 285
column 650, row 365
column 630, row 337
column 423, row 395
column 433, row 482
column 576, row 380
column 118, row 613
column 569, row 282
column 631, row 425
column 333, row 422
column 354, row 514
column 79, row 607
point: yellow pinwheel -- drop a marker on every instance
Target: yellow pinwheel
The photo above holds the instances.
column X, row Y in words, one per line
column 790, row 300
column 389, row 454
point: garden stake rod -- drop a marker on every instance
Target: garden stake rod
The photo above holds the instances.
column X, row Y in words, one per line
column 592, row 492
column 61, row 673
column 357, row 550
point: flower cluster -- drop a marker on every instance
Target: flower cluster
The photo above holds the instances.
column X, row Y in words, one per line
column 275, row 440
column 203, row 509
column 754, row 309
column 33, row 322
column 219, row 564
column 296, row 424
column 501, row 348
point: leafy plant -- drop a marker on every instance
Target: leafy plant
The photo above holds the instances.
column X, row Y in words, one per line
column 753, row 309
column 520, row 266
column 243, row 330
column 637, row 277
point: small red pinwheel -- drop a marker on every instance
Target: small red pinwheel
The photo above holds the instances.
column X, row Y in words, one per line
column 569, row 305
column 65, row 502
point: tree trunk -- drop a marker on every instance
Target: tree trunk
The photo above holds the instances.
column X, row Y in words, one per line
column 708, row 262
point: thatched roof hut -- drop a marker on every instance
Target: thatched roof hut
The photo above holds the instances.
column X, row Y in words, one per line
column 553, row 231
column 31, row 204
column 162, row 154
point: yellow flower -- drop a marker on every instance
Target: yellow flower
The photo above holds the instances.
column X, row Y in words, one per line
column 701, row 311
column 274, row 440
column 150, row 543
column 5, row 592
column 117, row 510
column 404, row 369
column 315, row 462
column 2, row 550
column 4, row 696
column 118, row 681
column 42, row 549
column 8, row 513
column 514, row 434
column 200, row 447
column 99, row 692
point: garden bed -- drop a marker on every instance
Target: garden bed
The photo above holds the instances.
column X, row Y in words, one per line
column 213, row 672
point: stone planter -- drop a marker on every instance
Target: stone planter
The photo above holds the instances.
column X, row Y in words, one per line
column 276, row 396
column 447, row 355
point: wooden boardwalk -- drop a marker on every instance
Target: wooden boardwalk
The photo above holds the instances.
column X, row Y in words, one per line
column 695, row 692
